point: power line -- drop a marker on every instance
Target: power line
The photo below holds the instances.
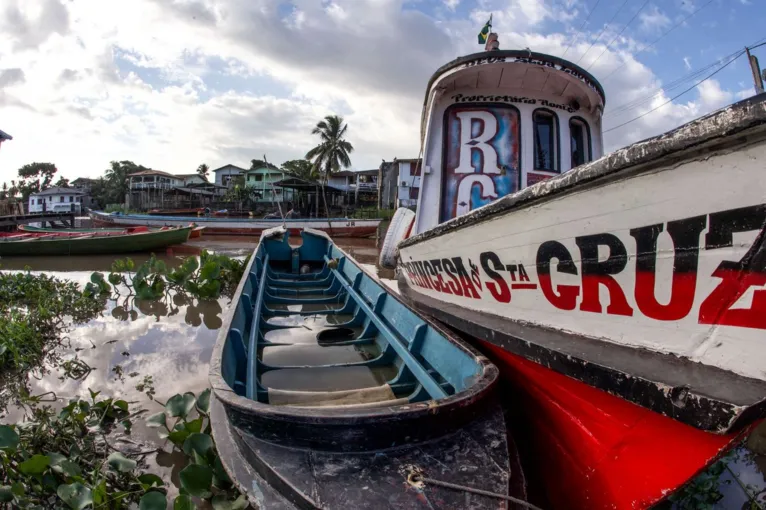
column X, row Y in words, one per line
column 677, row 82
column 577, row 35
column 602, row 31
column 739, row 54
column 618, row 35
column 667, row 87
column 659, row 38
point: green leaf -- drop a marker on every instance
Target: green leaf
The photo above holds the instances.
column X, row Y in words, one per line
column 122, row 405
column 200, row 443
column 180, row 405
column 149, row 480
column 18, row 489
column 68, row 468
column 220, row 502
column 35, row 465
column 9, row 439
column 197, row 480
column 219, row 471
column 153, row 501
column 203, row 402
column 210, row 271
column 157, row 420
column 114, row 278
column 6, row 494
column 76, row 495
column 99, row 493
column 93, row 394
column 119, row 462
column 184, row 502
column 194, row 425
column 177, row 437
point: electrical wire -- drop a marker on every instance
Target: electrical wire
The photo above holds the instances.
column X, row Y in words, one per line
column 677, row 82
column 659, row 38
column 602, row 31
column 577, row 35
column 618, row 35
column 742, row 52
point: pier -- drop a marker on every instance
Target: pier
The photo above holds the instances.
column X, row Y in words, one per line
column 65, row 218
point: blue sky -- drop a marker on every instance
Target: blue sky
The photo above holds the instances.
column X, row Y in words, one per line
column 174, row 83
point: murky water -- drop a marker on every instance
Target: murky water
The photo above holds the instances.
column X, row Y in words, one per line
column 169, row 345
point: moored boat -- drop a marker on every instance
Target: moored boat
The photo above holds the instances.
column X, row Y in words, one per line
column 336, row 227
column 622, row 301
column 84, row 243
column 330, row 393
column 195, row 232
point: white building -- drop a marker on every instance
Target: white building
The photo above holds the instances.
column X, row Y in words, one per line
column 408, row 182
column 57, row 200
column 225, row 174
column 153, row 179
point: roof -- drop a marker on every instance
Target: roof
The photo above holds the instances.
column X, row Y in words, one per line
column 189, row 191
column 57, row 191
column 407, row 160
column 303, row 184
column 195, row 174
column 351, row 173
column 224, row 167
column 153, row 172
column 5, row 136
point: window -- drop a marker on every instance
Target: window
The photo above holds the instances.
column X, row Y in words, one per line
column 61, row 199
column 579, row 136
column 546, row 131
column 71, row 199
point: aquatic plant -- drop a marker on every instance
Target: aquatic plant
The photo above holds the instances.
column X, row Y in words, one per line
column 35, row 313
column 209, row 278
column 204, row 476
column 64, row 460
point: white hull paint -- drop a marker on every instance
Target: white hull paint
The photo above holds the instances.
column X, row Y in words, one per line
column 711, row 310
column 342, row 226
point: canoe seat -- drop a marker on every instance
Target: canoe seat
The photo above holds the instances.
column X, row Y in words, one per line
column 378, row 394
column 332, row 378
column 303, row 355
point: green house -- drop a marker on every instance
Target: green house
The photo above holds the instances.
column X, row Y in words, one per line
column 263, row 179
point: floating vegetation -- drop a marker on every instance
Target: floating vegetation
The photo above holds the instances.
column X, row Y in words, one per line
column 64, row 459
column 209, row 278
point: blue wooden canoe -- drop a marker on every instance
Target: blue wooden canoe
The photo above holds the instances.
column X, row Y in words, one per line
column 330, row 391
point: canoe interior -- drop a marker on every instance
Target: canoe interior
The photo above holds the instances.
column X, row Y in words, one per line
column 324, row 333
column 330, row 391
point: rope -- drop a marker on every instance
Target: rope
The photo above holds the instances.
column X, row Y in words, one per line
column 447, row 485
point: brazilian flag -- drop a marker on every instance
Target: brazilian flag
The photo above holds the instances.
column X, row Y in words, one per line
column 485, row 31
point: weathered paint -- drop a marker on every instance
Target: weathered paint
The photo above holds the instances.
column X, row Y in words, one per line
column 338, row 227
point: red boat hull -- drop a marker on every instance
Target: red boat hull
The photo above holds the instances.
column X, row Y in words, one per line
column 598, row 451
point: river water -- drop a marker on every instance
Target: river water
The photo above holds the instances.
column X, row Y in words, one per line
column 136, row 347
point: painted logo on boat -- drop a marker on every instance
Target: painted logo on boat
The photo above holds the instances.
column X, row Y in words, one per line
column 482, row 157
column 585, row 279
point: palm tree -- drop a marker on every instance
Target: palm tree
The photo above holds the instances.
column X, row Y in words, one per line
column 333, row 151
column 203, row 170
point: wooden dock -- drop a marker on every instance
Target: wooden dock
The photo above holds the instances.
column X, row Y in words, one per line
column 65, row 218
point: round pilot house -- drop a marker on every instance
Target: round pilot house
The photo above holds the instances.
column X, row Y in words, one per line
column 498, row 121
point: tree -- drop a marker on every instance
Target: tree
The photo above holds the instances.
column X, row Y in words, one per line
column 333, row 151
column 116, row 180
column 300, row 167
column 63, row 182
column 203, row 170
column 35, row 177
column 260, row 163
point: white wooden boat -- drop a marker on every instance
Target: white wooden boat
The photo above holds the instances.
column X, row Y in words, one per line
column 337, row 227
column 624, row 300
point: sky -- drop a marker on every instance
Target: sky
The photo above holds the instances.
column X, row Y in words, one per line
column 171, row 84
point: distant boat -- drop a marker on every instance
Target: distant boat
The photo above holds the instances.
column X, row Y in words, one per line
column 331, row 393
column 336, row 227
column 175, row 212
column 196, row 231
column 83, row 243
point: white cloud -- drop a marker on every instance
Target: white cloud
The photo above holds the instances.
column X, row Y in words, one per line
column 173, row 84
column 687, row 64
column 451, row 4
column 653, row 20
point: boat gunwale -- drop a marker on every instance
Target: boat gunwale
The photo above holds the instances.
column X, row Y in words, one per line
column 173, row 229
column 719, row 130
column 104, row 216
column 482, row 385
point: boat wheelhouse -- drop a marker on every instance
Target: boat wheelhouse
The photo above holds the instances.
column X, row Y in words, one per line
column 623, row 300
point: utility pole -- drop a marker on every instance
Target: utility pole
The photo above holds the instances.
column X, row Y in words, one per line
column 753, row 60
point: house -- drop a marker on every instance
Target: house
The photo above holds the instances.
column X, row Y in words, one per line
column 408, row 187
column 263, row 179
column 83, row 184
column 225, row 174
column 153, row 180
column 194, row 178
column 57, row 200
column 399, row 182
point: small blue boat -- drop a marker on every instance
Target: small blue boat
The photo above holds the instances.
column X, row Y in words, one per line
column 331, row 393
